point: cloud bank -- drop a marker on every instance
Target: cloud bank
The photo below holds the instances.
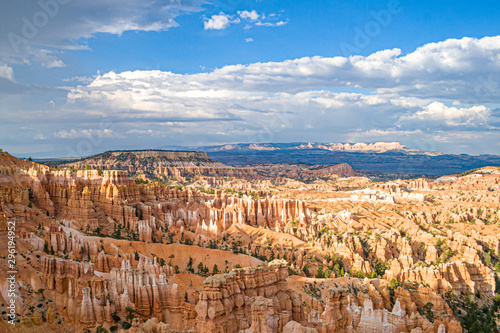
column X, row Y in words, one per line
column 441, row 96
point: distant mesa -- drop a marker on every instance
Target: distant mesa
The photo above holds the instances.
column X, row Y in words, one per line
column 360, row 146
column 168, row 154
column 335, row 146
column 389, row 158
column 160, row 164
column 342, row 169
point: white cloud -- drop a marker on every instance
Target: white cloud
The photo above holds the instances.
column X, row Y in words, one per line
column 384, row 96
column 248, row 40
column 438, row 112
column 272, row 24
column 178, row 128
column 47, row 59
column 161, row 96
column 222, row 21
column 452, row 70
column 253, row 15
column 219, row 22
column 55, row 63
column 83, row 79
column 297, row 87
column 148, row 132
column 6, row 72
column 389, row 132
column 87, row 133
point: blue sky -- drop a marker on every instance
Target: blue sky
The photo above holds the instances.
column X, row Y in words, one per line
column 129, row 74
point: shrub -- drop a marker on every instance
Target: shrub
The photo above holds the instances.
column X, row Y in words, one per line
column 393, row 284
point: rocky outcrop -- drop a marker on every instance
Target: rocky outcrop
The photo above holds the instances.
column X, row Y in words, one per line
column 228, row 301
column 148, row 293
column 336, row 317
column 461, row 276
column 366, row 319
column 58, row 274
column 294, row 327
column 87, row 314
column 259, row 322
column 273, row 213
column 342, row 169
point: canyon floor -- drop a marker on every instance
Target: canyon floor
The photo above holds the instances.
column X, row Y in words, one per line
column 155, row 241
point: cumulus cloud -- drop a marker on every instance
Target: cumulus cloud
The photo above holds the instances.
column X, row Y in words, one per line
column 437, row 112
column 450, row 70
column 383, row 96
column 391, row 95
column 219, row 22
column 252, row 15
column 154, row 96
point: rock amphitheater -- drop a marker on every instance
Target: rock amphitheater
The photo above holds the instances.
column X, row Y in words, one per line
column 234, row 251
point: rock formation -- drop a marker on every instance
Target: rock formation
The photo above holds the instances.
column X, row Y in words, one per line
column 160, row 164
column 97, row 248
column 227, row 300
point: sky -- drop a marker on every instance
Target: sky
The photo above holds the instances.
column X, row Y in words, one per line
column 82, row 77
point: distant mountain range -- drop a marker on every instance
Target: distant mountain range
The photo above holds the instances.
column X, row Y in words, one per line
column 392, row 159
column 385, row 157
column 375, row 147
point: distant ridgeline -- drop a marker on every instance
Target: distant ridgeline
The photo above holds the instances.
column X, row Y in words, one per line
column 159, row 164
column 386, row 157
column 170, row 155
